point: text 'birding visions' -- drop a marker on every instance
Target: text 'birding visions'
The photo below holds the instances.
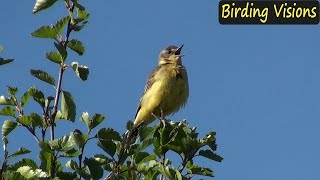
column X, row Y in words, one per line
column 268, row 12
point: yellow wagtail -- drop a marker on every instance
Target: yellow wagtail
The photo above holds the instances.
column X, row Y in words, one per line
column 167, row 88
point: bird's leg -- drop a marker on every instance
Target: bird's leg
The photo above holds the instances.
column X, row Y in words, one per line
column 161, row 114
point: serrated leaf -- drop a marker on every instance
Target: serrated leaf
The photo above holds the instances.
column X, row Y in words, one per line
column 96, row 172
column 79, row 27
column 54, row 57
column 20, row 151
column 7, row 127
column 71, row 153
column 145, row 132
column 78, row 138
column 109, row 134
column 42, row 4
column 144, row 144
column 61, row 23
column 76, row 46
column 102, row 159
column 28, row 172
column 61, row 50
column 13, row 175
column 96, row 120
column 81, row 71
column 6, row 101
column 25, row 98
column 25, row 120
column 45, row 146
column 140, row 155
column 37, row 120
column 8, row 111
column 5, row 61
column 65, row 143
column 45, row 158
column 43, row 76
column 12, row 90
column 108, row 146
column 129, row 125
column 85, row 117
column 195, row 169
column 210, row 155
column 24, row 162
column 82, row 14
column 71, row 165
column 38, row 96
column 45, row 32
column 68, row 107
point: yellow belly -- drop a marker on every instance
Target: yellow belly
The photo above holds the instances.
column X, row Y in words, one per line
column 168, row 94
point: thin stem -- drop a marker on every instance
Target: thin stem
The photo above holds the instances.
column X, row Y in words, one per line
column 4, row 164
column 163, row 177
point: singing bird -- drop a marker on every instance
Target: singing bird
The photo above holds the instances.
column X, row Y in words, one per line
column 167, row 88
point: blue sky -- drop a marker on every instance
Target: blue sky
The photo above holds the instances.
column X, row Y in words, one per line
column 256, row 86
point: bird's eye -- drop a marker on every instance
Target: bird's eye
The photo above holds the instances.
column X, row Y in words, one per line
column 169, row 51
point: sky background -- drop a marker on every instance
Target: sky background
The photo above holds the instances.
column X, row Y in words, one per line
column 257, row 86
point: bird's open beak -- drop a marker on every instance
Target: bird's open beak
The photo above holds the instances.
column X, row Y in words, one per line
column 178, row 51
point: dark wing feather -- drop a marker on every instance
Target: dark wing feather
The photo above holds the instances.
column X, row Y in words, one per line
column 150, row 82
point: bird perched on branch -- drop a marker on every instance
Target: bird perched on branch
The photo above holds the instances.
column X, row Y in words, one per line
column 167, row 88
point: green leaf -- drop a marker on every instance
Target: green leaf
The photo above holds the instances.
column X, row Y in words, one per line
column 71, row 153
column 71, row 165
column 79, row 27
column 43, row 76
column 45, row 32
column 37, row 120
column 95, row 169
column 108, row 146
column 54, row 57
column 81, row 71
column 61, row 50
column 102, row 159
column 5, row 61
column 195, row 169
column 65, row 143
column 29, row 173
column 25, row 120
column 25, row 98
column 38, row 96
column 82, row 14
column 45, row 158
column 66, row 175
column 140, row 155
column 6, row 101
column 61, row 23
column 210, row 155
column 68, row 107
column 76, row 46
column 7, row 127
column 96, row 120
column 24, row 162
column 8, row 111
column 85, row 117
column 20, row 151
column 45, row 146
column 79, row 138
column 129, row 125
column 13, row 175
column 145, row 132
column 42, row 4
column 108, row 134
column 144, row 144
column 12, row 90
